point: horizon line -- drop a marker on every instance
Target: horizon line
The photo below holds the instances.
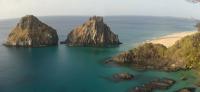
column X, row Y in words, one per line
column 103, row 16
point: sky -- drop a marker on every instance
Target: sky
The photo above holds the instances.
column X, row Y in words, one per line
column 174, row 8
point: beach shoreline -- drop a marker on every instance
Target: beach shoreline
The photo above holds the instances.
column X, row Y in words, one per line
column 170, row 39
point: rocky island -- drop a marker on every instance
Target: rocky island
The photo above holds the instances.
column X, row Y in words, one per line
column 184, row 54
column 31, row 32
column 93, row 33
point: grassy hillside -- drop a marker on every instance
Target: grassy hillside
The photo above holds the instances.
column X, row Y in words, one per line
column 186, row 50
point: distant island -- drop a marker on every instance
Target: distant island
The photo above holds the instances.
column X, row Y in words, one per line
column 94, row 33
column 31, row 32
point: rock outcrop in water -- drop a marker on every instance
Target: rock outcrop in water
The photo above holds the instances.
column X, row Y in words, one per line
column 31, row 32
column 94, row 32
column 122, row 76
column 184, row 54
column 188, row 89
column 159, row 84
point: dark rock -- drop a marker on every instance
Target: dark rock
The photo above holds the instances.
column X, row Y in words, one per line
column 31, row 32
column 122, row 76
column 62, row 42
column 184, row 78
column 197, row 84
column 189, row 89
column 160, row 84
column 94, row 32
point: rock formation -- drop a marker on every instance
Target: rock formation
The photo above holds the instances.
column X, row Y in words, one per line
column 159, row 84
column 188, row 89
column 122, row 76
column 146, row 56
column 94, row 32
column 31, row 32
column 184, row 54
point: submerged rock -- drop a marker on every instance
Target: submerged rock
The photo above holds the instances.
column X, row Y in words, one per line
column 94, row 32
column 160, row 84
column 189, row 89
column 184, row 78
column 122, row 76
column 31, row 32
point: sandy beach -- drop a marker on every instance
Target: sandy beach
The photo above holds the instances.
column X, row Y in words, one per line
column 170, row 39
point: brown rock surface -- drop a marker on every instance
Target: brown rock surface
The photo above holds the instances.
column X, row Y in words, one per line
column 31, row 32
column 94, row 32
column 122, row 76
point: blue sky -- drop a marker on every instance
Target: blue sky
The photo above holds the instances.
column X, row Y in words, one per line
column 176, row 8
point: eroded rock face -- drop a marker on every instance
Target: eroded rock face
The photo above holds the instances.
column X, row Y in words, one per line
column 31, row 32
column 94, row 32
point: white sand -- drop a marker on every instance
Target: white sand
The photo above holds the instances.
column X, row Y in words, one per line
column 169, row 40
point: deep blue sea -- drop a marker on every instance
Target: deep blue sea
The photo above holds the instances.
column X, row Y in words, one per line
column 81, row 69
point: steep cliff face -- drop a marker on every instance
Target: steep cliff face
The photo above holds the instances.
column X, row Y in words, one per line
column 94, row 32
column 31, row 32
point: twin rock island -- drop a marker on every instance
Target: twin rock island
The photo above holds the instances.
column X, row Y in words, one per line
column 31, row 32
column 183, row 55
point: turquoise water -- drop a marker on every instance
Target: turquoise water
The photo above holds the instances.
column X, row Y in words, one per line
column 77, row 69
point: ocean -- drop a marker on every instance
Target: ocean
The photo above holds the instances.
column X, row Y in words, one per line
column 81, row 69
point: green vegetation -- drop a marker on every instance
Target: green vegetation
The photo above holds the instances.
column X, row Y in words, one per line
column 186, row 50
column 184, row 54
column 148, row 52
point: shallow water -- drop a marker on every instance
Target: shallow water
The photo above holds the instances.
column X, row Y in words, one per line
column 77, row 69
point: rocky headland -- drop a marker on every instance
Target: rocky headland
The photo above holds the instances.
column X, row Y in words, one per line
column 31, row 32
column 184, row 54
column 93, row 32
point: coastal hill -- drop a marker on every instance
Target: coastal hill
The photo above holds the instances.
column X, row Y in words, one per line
column 184, row 54
column 31, row 32
column 93, row 32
